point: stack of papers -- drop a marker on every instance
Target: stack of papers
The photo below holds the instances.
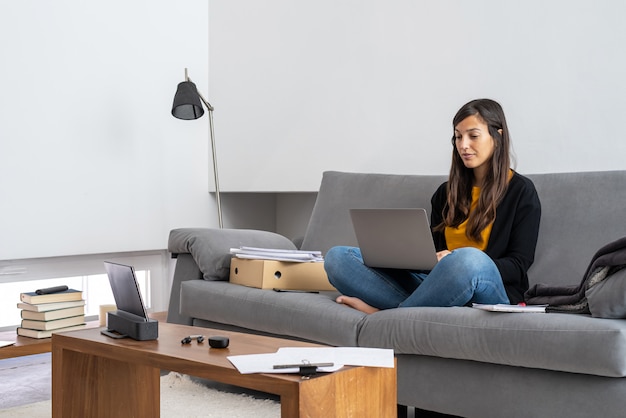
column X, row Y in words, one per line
column 501, row 307
column 338, row 356
column 298, row 256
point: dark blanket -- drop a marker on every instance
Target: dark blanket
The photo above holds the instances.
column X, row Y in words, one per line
column 572, row 299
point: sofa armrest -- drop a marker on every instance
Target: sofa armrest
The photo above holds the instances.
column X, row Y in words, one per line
column 210, row 248
column 204, row 253
column 186, row 269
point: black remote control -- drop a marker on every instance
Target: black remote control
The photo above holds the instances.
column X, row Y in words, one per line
column 48, row 290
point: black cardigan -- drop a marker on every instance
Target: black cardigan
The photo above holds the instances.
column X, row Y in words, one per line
column 513, row 237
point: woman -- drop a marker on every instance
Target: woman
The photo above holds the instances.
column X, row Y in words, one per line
column 485, row 222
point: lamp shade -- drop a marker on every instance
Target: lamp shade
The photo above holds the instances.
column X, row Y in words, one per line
column 187, row 103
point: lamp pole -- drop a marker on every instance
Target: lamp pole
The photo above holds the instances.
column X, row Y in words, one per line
column 213, row 153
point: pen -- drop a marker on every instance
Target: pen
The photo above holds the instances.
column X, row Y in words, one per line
column 295, row 290
column 296, row 366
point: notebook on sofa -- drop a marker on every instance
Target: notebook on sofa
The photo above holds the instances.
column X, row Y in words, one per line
column 394, row 238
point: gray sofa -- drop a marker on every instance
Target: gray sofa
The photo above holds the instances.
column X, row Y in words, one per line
column 459, row 361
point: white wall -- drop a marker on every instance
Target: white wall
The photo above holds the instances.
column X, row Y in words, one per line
column 91, row 160
column 370, row 85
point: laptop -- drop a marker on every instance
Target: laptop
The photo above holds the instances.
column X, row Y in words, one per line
column 395, row 238
column 125, row 289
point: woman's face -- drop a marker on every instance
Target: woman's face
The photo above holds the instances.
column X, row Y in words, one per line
column 474, row 145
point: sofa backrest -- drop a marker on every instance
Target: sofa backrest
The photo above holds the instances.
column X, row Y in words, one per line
column 339, row 192
column 581, row 212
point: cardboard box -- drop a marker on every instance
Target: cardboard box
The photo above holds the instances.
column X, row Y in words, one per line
column 269, row 274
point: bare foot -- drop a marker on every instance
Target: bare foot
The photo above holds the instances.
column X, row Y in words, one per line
column 357, row 304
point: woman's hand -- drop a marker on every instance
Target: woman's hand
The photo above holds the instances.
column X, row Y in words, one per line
column 442, row 254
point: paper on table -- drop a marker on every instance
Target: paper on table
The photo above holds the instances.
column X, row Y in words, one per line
column 6, row 343
column 339, row 356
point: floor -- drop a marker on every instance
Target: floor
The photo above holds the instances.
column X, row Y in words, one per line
column 25, row 380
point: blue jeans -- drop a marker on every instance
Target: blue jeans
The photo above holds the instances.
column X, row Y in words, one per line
column 467, row 275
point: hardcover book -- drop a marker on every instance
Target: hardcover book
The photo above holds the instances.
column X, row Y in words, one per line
column 67, row 295
column 33, row 333
column 52, row 315
column 44, row 307
column 54, row 324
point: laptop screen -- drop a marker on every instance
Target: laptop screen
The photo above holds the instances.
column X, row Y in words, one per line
column 125, row 289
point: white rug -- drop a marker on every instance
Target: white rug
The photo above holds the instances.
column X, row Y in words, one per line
column 180, row 396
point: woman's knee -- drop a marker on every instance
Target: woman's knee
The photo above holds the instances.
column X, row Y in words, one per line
column 335, row 256
column 469, row 252
column 468, row 264
column 337, row 259
column 471, row 258
column 333, row 253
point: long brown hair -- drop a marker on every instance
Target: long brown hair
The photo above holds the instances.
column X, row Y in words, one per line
column 460, row 182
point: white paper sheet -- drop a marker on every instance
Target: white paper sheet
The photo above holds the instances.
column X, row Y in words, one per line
column 6, row 343
column 339, row 356
column 501, row 307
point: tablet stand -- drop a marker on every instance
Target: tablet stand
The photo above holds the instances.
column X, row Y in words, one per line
column 121, row 324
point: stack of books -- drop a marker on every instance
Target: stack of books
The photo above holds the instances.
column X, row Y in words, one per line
column 44, row 314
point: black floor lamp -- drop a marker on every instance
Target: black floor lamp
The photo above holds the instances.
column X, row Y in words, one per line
column 187, row 105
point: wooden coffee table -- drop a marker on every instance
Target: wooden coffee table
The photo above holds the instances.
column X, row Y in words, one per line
column 25, row 346
column 97, row 376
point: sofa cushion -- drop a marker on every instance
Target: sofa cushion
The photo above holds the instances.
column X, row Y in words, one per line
column 309, row 316
column 211, row 250
column 563, row 342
